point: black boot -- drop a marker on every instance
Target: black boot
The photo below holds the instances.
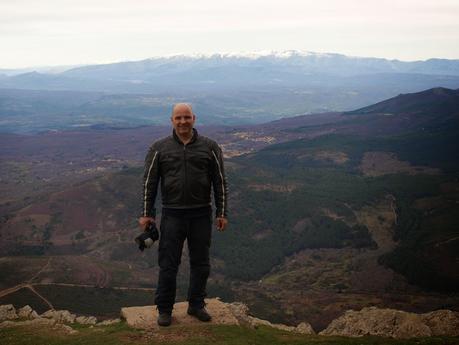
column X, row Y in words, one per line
column 201, row 314
column 164, row 319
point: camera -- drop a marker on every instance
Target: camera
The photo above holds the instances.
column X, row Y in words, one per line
column 148, row 237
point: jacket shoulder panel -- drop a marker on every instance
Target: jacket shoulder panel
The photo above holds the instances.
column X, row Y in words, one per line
column 161, row 143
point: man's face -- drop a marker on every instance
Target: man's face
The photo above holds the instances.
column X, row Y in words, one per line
column 183, row 120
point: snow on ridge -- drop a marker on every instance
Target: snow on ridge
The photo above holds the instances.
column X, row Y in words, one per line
column 280, row 54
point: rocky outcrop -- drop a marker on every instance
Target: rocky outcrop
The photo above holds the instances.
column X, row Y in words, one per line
column 368, row 321
column 86, row 320
column 222, row 313
column 40, row 322
column 442, row 322
column 145, row 317
column 394, row 323
column 27, row 312
column 241, row 312
column 54, row 319
column 61, row 316
column 7, row 312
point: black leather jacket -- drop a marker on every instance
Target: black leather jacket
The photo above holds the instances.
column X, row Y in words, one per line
column 186, row 172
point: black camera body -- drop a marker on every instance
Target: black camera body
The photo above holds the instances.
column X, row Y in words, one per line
column 148, row 237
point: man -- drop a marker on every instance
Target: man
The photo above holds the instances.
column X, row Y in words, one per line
column 188, row 166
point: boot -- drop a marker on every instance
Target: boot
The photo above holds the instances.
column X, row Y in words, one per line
column 200, row 313
column 164, row 319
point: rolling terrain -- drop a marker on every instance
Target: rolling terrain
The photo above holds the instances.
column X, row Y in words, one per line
column 328, row 212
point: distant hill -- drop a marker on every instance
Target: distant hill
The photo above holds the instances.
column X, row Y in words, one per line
column 440, row 101
column 305, row 62
column 226, row 71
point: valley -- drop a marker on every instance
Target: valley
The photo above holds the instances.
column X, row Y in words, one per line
column 329, row 212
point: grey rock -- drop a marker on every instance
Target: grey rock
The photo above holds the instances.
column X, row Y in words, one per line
column 61, row 316
column 86, row 320
column 442, row 322
column 35, row 322
column 380, row 322
column 255, row 322
column 65, row 328
column 108, row 322
column 241, row 312
column 25, row 312
column 49, row 323
column 304, row 328
column 49, row 314
column 7, row 312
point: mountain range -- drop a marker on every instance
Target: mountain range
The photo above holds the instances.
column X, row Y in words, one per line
column 223, row 88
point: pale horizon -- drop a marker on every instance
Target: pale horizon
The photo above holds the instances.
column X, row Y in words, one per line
column 56, row 32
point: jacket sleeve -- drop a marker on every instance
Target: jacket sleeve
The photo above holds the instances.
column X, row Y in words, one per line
column 150, row 182
column 219, row 183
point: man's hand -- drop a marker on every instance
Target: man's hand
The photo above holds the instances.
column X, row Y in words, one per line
column 221, row 223
column 144, row 221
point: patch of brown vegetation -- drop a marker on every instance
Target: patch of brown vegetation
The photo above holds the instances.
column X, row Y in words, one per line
column 336, row 157
column 380, row 219
column 259, row 235
column 430, row 203
column 254, row 136
column 450, row 187
column 280, row 188
column 383, row 163
column 301, row 224
column 333, row 215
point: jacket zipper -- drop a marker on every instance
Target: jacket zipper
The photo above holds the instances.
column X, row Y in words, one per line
column 185, row 184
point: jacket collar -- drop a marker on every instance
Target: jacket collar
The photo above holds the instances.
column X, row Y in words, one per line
column 193, row 138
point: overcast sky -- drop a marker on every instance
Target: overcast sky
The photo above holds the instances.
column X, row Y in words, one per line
column 61, row 32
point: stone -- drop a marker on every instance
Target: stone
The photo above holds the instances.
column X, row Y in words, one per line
column 86, row 320
column 304, row 328
column 108, row 322
column 379, row 322
column 35, row 322
column 61, row 316
column 7, row 312
column 257, row 322
column 66, row 329
column 442, row 322
column 49, row 323
column 241, row 312
column 25, row 312
column 49, row 314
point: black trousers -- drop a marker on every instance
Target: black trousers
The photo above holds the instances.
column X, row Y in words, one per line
column 194, row 225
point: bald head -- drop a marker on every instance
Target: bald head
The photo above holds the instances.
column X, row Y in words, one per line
column 180, row 108
column 182, row 120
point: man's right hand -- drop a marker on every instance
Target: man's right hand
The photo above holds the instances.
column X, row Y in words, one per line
column 144, row 221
